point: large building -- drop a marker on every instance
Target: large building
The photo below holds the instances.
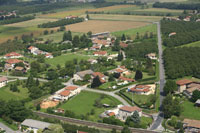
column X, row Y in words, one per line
column 81, row 75
column 127, row 111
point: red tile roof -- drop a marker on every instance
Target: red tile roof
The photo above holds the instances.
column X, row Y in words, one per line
column 183, row 82
column 65, row 93
column 124, row 45
column 192, row 123
column 101, row 75
column 12, row 54
column 140, row 88
column 13, row 61
column 31, row 47
column 130, row 109
column 111, row 114
column 100, row 52
column 71, row 88
column 119, row 70
column 3, row 79
column 19, row 68
column 126, row 79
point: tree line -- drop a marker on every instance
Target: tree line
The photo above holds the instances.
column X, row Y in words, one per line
column 172, row 5
column 16, row 20
column 186, row 32
column 180, row 62
column 61, row 22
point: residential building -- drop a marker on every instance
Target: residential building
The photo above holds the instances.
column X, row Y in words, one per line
column 65, row 95
column 191, row 126
column 101, row 76
column 100, row 53
column 197, row 103
column 48, row 55
column 32, row 49
column 122, row 70
column 96, row 47
column 20, row 69
column 34, row 125
column 127, row 111
column 81, row 75
column 142, row 89
column 3, row 81
column 102, row 42
column 172, row 34
column 182, row 84
column 152, row 56
column 191, row 88
column 12, row 55
column 126, row 80
column 11, row 63
column 92, row 61
column 74, row 90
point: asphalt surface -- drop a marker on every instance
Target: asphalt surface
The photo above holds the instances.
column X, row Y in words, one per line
column 158, row 122
column 91, row 124
column 7, row 129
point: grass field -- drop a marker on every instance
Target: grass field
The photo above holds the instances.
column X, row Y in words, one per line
column 101, row 26
column 79, row 12
column 194, row 44
column 31, row 23
column 84, row 103
column 132, row 32
column 6, row 94
column 137, row 18
column 190, row 111
column 63, row 58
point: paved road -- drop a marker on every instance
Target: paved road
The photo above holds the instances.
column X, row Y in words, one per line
column 23, row 78
column 157, row 123
column 90, row 124
column 7, row 129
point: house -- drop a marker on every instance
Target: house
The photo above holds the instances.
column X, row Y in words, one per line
column 81, row 75
column 8, row 67
column 191, row 88
column 74, row 90
column 191, row 126
column 81, row 132
column 59, row 110
column 101, row 42
column 123, row 45
column 100, row 53
column 49, row 55
column 12, row 55
column 96, row 47
column 187, row 18
column 92, row 61
column 33, row 49
column 127, row 111
column 20, row 69
column 126, row 80
column 3, row 81
column 101, row 76
column 182, row 84
column 152, row 56
column 142, row 89
column 197, row 103
column 122, row 70
column 34, row 125
column 12, row 63
column 65, row 95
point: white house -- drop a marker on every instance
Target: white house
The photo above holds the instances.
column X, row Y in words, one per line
column 74, row 90
column 34, row 125
column 65, row 95
column 33, row 49
column 142, row 89
column 127, row 111
column 3, row 81
column 49, row 55
column 152, row 56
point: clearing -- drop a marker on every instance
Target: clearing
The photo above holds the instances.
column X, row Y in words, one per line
column 101, row 26
column 194, row 44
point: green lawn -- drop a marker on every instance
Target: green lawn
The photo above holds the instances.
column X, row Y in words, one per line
column 84, row 103
column 190, row 111
column 106, row 86
column 6, row 94
column 132, row 32
column 63, row 58
column 194, row 44
column 146, row 121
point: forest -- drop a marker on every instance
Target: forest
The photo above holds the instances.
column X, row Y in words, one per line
column 186, row 32
column 180, row 62
column 171, row 5
column 62, row 22
column 16, row 20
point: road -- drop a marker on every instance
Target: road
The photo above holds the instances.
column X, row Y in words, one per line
column 23, row 78
column 91, row 124
column 157, row 125
column 7, row 129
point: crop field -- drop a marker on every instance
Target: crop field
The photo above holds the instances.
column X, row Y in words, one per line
column 160, row 10
column 132, row 32
column 101, row 26
column 31, row 23
column 125, row 17
column 79, row 12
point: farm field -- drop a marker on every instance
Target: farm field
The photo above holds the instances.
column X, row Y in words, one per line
column 84, row 103
column 64, row 58
column 137, row 18
column 79, row 12
column 6, row 94
column 101, row 26
column 31, row 23
column 161, row 10
column 190, row 111
column 132, row 32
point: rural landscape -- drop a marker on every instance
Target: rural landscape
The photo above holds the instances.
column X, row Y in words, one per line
column 99, row 66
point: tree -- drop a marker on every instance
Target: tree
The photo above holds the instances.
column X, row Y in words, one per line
column 14, row 88
column 52, row 74
column 88, row 17
column 76, row 41
column 87, row 77
column 67, row 36
column 135, row 117
column 195, row 95
column 89, row 34
column 120, row 56
column 170, row 87
column 138, row 75
column 62, row 28
column 125, row 130
column 46, row 32
column 54, row 128
column 116, row 46
column 123, row 38
column 38, row 107
column 41, row 58
column 137, row 36
column 96, row 82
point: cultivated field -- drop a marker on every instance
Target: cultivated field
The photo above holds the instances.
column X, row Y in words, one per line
column 160, row 10
column 63, row 14
column 101, row 26
column 125, row 17
column 31, row 23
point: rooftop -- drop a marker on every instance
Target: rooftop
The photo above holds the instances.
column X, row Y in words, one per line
column 71, row 88
column 101, row 75
column 100, row 52
column 13, row 61
column 65, row 93
column 192, row 123
column 35, row 124
column 183, row 82
column 130, row 109
column 12, row 54
column 2, row 79
column 83, row 73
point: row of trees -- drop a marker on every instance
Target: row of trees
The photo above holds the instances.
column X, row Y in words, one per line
column 186, row 32
column 61, row 23
column 172, row 5
column 16, row 20
column 180, row 62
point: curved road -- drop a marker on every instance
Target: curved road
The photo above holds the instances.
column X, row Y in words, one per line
column 157, row 125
